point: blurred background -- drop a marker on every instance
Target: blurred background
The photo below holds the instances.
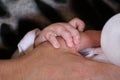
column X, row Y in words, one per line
column 17, row 17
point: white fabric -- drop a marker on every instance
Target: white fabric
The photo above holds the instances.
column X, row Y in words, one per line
column 26, row 44
column 110, row 39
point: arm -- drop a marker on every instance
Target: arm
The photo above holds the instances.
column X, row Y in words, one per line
column 10, row 70
column 48, row 63
column 54, row 64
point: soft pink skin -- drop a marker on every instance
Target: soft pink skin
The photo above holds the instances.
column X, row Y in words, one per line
column 68, row 31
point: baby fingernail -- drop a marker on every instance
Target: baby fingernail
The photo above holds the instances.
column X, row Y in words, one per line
column 56, row 45
column 70, row 44
column 77, row 40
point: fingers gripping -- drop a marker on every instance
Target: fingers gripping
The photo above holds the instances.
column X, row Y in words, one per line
column 77, row 23
column 51, row 37
column 39, row 39
column 65, row 31
column 59, row 29
column 74, row 33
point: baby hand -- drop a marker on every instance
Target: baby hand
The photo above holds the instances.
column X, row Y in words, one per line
column 67, row 31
